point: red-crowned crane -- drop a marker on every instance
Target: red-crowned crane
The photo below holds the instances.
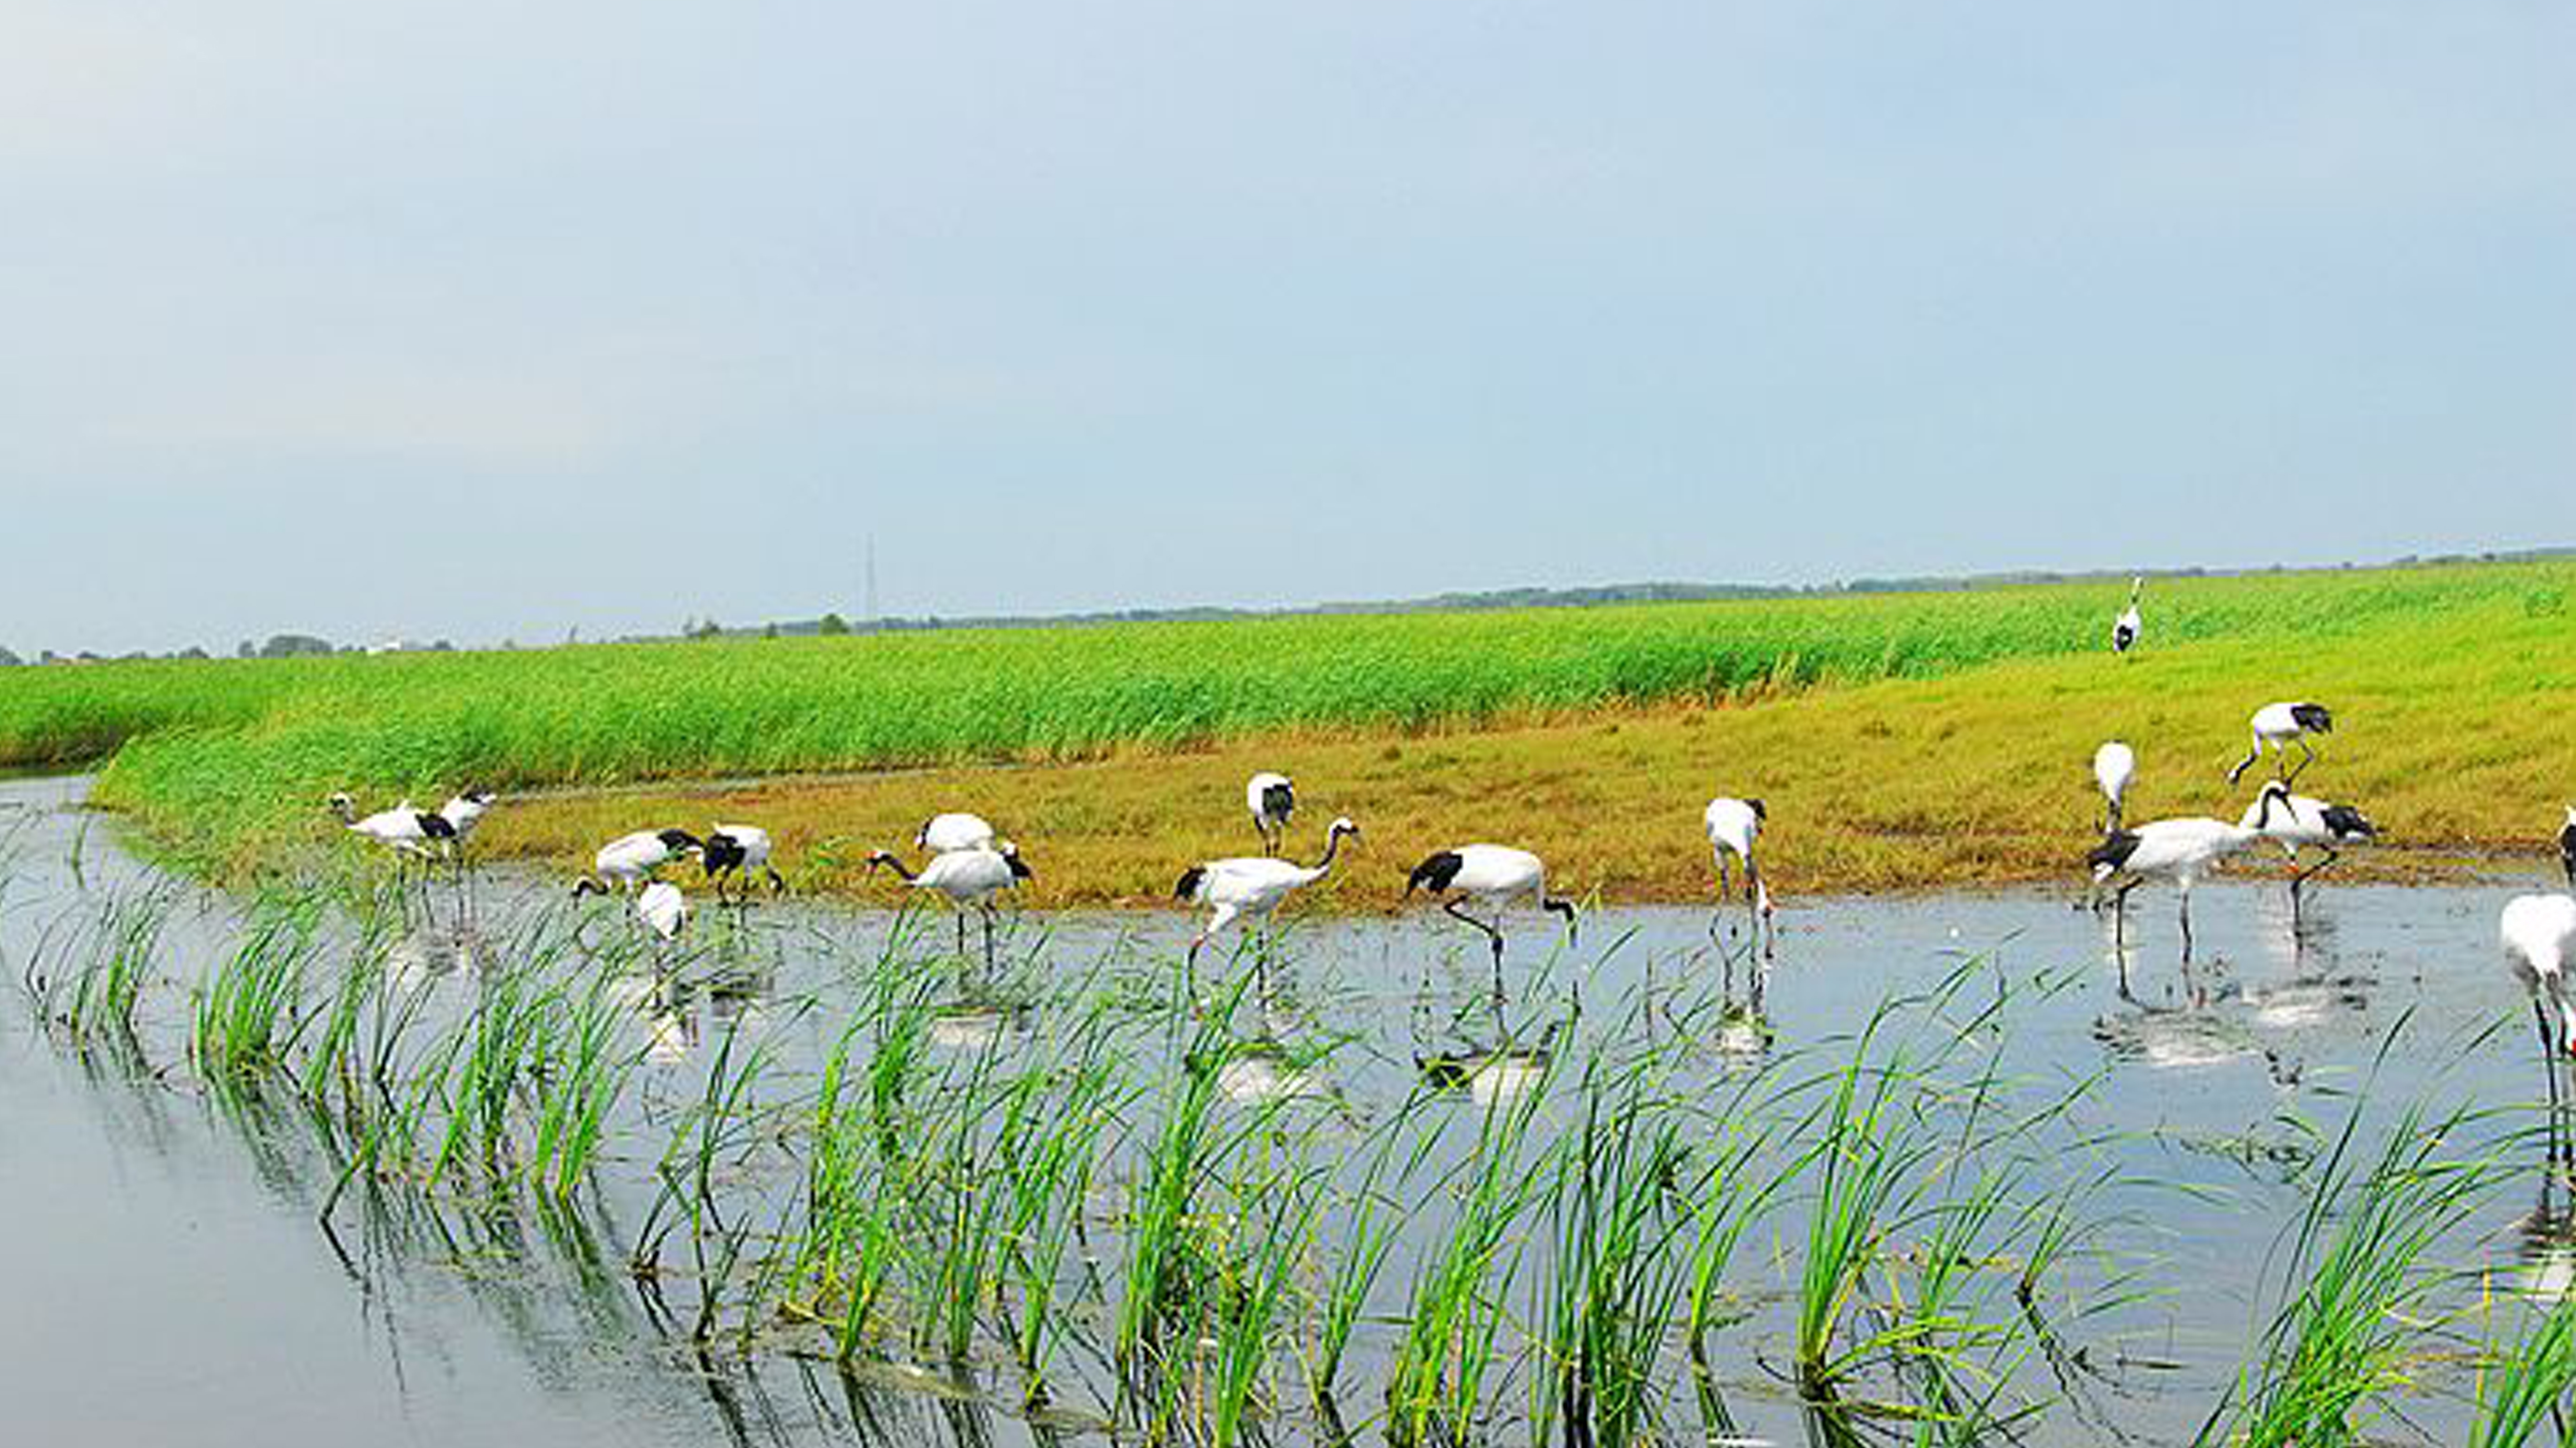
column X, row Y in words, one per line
column 1491, row 877
column 2125, row 630
column 1734, row 827
column 2114, row 765
column 734, row 853
column 630, row 860
column 663, row 909
column 1272, row 798
column 2538, row 932
column 968, row 879
column 1233, row 889
column 2179, row 850
column 2295, row 822
column 2277, row 727
column 954, row 831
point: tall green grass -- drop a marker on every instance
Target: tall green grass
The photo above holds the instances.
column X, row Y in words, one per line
column 214, row 756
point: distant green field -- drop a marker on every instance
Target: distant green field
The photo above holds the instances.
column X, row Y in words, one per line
column 209, row 752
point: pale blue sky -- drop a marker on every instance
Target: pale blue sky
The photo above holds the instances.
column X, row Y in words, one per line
column 481, row 320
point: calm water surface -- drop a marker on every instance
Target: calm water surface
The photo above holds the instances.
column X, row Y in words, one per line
column 168, row 1281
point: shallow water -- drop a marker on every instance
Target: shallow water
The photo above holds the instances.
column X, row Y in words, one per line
column 174, row 1285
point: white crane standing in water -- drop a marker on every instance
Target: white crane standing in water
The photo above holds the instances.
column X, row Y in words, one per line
column 1272, row 798
column 2179, row 850
column 2277, row 727
column 2295, row 822
column 2538, row 932
column 2114, row 765
column 735, row 853
column 1246, row 886
column 663, row 909
column 2125, row 631
column 1493, row 877
column 1734, row 826
column 969, row 879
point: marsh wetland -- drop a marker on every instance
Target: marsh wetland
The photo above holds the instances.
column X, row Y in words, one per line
column 302, row 1163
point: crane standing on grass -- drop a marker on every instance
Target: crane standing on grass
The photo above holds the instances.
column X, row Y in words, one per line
column 2114, row 765
column 1272, row 798
column 2124, row 631
column 2277, row 727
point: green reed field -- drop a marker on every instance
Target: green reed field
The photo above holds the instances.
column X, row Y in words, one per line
column 217, row 759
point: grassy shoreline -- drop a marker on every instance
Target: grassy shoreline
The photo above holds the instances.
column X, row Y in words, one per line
column 1901, row 742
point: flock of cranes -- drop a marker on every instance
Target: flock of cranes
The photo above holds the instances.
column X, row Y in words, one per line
column 969, row 866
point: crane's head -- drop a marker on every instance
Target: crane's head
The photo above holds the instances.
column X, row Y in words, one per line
column 345, row 809
column 1759, row 812
column 1342, row 825
column 680, row 842
column 1010, row 853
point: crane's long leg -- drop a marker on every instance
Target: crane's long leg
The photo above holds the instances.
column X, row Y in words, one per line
column 987, row 909
column 1753, row 907
column 2247, row 762
column 961, row 934
column 2183, row 889
column 1493, row 937
column 2120, row 915
column 2548, row 1063
column 1725, row 888
column 2307, row 756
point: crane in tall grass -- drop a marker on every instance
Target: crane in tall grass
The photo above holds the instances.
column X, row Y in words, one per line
column 2125, row 629
column 2175, row 850
column 1492, row 878
column 2538, row 932
column 410, row 833
column 2277, row 727
column 1255, row 888
column 968, row 879
column 2114, row 765
column 1734, row 826
column 2296, row 822
column 1272, row 798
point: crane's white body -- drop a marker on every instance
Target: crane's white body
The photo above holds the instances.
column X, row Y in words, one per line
column 754, row 842
column 942, row 833
column 399, row 828
column 968, row 879
column 630, row 860
column 1476, row 884
column 663, row 909
column 1272, row 798
column 2114, row 765
column 738, row 852
column 1497, row 877
column 2179, row 851
column 2278, row 726
column 2294, row 821
column 2538, row 932
column 1734, row 827
column 465, row 811
column 1254, row 887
